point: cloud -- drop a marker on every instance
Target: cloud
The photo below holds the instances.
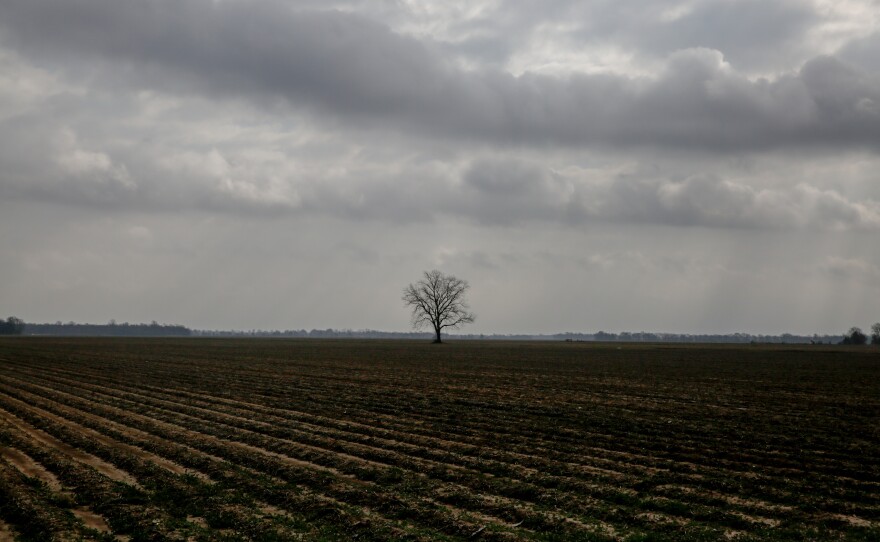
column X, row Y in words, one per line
column 863, row 52
column 689, row 165
column 46, row 161
column 517, row 192
column 753, row 34
column 706, row 201
column 140, row 234
column 345, row 66
column 265, row 110
column 507, row 190
column 852, row 270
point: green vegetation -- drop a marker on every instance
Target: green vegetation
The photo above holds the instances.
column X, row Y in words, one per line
column 219, row 439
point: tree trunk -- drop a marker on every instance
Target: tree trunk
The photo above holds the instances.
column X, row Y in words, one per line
column 437, row 331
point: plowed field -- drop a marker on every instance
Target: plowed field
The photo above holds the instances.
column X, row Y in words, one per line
column 192, row 439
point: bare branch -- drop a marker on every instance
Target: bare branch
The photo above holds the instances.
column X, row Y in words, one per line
column 438, row 301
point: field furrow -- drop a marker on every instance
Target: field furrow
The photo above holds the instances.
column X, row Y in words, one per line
column 622, row 500
column 454, row 494
column 385, row 440
column 228, row 474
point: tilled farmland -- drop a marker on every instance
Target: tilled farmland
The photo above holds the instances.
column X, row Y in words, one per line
column 197, row 439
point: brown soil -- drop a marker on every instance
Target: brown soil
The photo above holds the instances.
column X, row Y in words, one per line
column 134, row 450
column 91, row 519
column 737, row 501
column 137, row 432
column 6, row 533
column 29, row 467
column 455, row 511
column 388, row 435
column 96, row 522
column 473, row 438
column 196, row 520
column 78, row 455
column 662, row 519
column 757, row 520
column 856, row 521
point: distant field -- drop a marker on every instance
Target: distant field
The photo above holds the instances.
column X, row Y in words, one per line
column 198, row 439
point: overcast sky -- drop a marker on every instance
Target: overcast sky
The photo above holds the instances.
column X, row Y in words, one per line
column 683, row 166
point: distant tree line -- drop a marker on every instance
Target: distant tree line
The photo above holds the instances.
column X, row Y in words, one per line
column 733, row 338
column 11, row 326
column 856, row 336
column 328, row 333
column 112, row 329
column 16, row 326
column 729, row 338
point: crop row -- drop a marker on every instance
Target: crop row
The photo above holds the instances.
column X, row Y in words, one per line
column 647, row 439
column 680, row 468
column 259, row 441
column 382, row 499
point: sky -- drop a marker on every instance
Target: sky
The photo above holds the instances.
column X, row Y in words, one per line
column 692, row 166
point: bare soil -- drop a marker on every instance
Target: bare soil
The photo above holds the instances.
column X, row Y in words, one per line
column 382, row 440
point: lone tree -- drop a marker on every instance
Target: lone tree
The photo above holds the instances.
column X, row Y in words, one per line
column 438, row 301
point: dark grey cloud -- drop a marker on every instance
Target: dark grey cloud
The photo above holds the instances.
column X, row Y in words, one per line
column 351, row 68
column 342, row 60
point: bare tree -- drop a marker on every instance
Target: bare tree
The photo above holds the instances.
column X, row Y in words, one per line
column 438, row 301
